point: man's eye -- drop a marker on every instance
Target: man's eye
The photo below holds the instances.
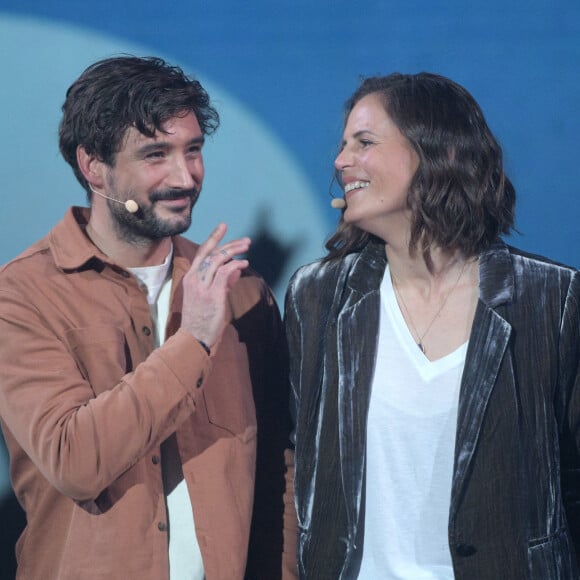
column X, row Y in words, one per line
column 155, row 155
column 365, row 142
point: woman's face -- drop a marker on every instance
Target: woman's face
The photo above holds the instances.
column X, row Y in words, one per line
column 377, row 165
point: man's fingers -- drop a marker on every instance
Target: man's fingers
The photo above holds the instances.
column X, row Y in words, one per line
column 206, row 286
column 215, row 268
column 212, row 252
column 218, row 233
column 228, row 274
column 207, row 247
column 212, row 262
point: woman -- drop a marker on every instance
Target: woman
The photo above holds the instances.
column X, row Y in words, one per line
column 435, row 370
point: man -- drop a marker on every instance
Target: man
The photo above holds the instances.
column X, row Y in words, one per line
column 141, row 389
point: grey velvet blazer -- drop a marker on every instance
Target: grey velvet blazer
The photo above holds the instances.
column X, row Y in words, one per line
column 516, row 486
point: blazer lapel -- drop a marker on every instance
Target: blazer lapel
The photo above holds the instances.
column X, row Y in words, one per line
column 487, row 346
column 357, row 330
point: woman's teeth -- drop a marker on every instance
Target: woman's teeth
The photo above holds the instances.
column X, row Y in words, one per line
column 355, row 185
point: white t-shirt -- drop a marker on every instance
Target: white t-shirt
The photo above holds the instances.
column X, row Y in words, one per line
column 410, row 450
column 185, row 561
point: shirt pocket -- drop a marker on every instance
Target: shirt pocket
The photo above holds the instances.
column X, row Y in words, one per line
column 101, row 355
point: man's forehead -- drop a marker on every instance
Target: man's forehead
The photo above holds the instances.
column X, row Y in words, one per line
column 187, row 122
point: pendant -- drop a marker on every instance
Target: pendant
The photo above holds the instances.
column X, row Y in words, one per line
column 421, row 347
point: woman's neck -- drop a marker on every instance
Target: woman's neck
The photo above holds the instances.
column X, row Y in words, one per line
column 444, row 266
column 438, row 301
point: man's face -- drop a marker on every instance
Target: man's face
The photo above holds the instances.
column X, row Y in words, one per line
column 163, row 174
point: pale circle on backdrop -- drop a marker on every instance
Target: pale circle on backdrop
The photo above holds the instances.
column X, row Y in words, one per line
column 250, row 176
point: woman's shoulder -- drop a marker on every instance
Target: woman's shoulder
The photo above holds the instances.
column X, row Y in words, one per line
column 502, row 255
column 538, row 260
column 527, row 274
column 535, row 268
column 320, row 273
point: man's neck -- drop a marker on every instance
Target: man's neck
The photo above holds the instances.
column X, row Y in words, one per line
column 128, row 254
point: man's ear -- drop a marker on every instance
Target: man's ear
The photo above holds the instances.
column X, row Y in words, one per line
column 91, row 167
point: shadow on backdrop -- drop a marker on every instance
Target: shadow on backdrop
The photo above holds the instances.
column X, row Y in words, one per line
column 268, row 255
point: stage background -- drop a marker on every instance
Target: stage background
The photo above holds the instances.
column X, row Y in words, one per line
column 279, row 72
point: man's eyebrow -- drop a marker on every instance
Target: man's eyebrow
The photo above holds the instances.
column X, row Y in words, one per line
column 163, row 145
column 197, row 140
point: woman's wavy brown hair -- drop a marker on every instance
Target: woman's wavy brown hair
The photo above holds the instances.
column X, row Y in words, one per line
column 460, row 197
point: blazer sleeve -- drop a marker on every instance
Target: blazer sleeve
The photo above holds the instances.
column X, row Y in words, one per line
column 569, row 381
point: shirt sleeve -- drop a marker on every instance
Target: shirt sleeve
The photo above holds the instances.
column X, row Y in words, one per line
column 81, row 440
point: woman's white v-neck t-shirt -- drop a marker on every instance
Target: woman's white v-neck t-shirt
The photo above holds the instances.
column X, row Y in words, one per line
column 409, row 455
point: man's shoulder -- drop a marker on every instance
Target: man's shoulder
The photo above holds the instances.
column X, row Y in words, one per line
column 64, row 247
column 251, row 293
column 29, row 262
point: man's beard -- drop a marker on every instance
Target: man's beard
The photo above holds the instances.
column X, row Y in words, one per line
column 145, row 225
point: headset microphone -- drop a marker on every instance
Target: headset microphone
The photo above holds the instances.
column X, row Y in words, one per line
column 338, row 203
column 130, row 205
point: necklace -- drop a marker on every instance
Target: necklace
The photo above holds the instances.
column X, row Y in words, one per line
column 439, row 310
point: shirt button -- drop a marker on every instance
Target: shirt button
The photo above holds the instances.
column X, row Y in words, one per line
column 146, row 330
column 162, row 526
column 155, row 459
column 465, row 550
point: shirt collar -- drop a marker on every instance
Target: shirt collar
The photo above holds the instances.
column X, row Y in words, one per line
column 72, row 249
column 69, row 245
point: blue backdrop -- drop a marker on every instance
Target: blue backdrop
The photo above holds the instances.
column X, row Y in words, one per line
column 279, row 73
